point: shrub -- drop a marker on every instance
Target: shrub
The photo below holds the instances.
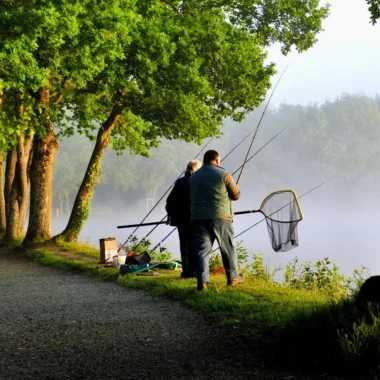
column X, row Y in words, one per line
column 160, row 253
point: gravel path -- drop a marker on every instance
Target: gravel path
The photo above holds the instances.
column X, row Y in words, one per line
column 59, row 325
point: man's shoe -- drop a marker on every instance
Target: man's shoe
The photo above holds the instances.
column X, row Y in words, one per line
column 202, row 286
column 237, row 281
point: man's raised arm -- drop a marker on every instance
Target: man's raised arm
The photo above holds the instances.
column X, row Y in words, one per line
column 232, row 188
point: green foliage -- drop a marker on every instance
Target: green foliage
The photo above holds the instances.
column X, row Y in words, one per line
column 337, row 142
column 288, row 22
column 261, row 271
column 140, row 71
column 51, row 50
column 215, row 262
column 181, row 67
column 323, row 276
column 138, row 246
column 242, row 253
column 355, row 282
column 374, row 9
column 359, row 344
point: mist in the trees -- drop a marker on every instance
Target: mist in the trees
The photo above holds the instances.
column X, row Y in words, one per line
column 336, row 143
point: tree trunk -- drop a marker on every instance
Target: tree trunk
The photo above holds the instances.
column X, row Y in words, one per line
column 41, row 181
column 10, row 170
column 19, row 192
column 24, row 205
column 3, row 222
column 82, row 204
column 45, row 147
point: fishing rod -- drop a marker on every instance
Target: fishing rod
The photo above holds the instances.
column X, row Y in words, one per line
column 164, row 222
column 257, row 129
column 254, row 136
column 258, row 151
column 246, row 212
column 161, row 222
column 250, row 158
column 245, row 161
column 242, row 213
column 156, row 224
column 137, row 226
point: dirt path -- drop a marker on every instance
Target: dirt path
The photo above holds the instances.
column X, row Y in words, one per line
column 59, row 325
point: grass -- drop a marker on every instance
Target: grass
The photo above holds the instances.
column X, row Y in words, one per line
column 299, row 326
column 79, row 248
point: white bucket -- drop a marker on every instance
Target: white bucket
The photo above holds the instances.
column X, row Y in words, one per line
column 118, row 260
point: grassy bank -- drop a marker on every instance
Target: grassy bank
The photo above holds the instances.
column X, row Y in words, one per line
column 308, row 320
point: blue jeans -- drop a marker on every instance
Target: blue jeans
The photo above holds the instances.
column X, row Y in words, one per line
column 206, row 231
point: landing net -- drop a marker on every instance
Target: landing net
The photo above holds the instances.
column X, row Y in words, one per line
column 282, row 214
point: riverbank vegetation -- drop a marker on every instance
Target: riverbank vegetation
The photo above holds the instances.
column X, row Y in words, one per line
column 306, row 319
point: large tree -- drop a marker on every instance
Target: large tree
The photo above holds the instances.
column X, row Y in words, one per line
column 132, row 72
column 47, row 51
column 189, row 65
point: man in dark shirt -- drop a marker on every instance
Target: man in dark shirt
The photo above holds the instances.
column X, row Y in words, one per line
column 212, row 191
column 178, row 209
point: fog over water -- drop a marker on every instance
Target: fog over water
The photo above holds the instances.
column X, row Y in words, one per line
column 347, row 233
column 340, row 218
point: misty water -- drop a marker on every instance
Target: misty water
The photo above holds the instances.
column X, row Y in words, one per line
column 345, row 233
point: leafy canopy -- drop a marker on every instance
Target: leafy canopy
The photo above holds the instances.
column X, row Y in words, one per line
column 172, row 69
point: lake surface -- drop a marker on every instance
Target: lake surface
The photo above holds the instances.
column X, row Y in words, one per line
column 348, row 236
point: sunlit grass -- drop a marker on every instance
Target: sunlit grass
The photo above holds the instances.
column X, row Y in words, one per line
column 298, row 326
column 79, row 248
column 10, row 243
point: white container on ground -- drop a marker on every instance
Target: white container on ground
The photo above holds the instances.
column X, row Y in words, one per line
column 118, row 260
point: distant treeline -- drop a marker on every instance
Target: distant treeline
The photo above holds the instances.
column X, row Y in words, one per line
column 337, row 142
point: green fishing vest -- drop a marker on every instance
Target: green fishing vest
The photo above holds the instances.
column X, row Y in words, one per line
column 209, row 196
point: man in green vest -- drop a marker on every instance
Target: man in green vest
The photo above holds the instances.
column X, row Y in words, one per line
column 212, row 191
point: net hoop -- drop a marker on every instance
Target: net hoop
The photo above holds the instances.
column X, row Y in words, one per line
column 295, row 200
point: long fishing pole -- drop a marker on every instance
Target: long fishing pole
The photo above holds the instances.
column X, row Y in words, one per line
column 161, row 241
column 254, row 225
column 156, row 224
column 162, row 198
column 241, row 213
column 257, row 129
column 258, row 151
column 253, row 155
column 246, row 158
column 161, row 222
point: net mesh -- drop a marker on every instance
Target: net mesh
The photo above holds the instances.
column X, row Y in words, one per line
column 282, row 214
